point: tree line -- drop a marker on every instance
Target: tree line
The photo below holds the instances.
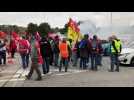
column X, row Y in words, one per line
column 31, row 28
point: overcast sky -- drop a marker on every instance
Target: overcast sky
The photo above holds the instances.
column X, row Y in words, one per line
column 58, row 19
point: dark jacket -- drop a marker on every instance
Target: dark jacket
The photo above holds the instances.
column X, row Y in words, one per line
column 45, row 48
column 98, row 48
column 56, row 47
column 13, row 45
column 84, row 52
column 2, row 52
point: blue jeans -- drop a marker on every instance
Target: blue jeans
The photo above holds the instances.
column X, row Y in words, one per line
column 114, row 61
column 45, row 64
column 88, row 59
column 83, row 62
column 27, row 60
column 56, row 58
column 24, row 62
column 75, row 58
column 94, row 60
column 63, row 61
column 99, row 59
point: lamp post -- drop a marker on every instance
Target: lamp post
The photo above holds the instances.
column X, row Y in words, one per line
column 111, row 21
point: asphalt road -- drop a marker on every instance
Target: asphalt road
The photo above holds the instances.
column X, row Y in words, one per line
column 77, row 78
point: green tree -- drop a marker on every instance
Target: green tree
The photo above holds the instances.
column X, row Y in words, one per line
column 44, row 28
column 55, row 30
column 64, row 30
column 32, row 28
column 15, row 28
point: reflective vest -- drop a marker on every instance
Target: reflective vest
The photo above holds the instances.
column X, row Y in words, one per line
column 63, row 47
column 117, row 46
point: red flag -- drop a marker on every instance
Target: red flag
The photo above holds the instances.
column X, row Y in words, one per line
column 77, row 29
column 15, row 36
column 71, row 23
column 2, row 34
column 37, row 35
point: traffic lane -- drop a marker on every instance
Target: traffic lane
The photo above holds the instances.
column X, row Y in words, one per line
column 88, row 78
column 75, row 77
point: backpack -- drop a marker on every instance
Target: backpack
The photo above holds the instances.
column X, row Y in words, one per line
column 34, row 51
column 23, row 47
column 94, row 45
column 45, row 48
column 82, row 44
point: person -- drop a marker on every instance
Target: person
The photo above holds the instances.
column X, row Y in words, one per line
column 84, row 47
column 51, row 41
column 35, row 51
column 56, row 51
column 2, row 54
column 95, row 51
column 23, row 49
column 69, row 50
column 3, row 51
column 64, row 54
column 28, row 51
column 12, row 47
column 46, row 50
column 116, row 48
column 99, row 56
column 75, row 53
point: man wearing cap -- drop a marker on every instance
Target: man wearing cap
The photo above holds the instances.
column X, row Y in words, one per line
column 96, row 49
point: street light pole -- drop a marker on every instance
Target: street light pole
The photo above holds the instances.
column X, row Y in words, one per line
column 111, row 21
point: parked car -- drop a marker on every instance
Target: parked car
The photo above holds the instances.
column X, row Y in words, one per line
column 127, row 55
column 106, row 49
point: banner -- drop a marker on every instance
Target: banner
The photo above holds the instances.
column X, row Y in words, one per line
column 73, row 31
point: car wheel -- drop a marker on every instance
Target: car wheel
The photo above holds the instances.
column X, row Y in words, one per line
column 132, row 62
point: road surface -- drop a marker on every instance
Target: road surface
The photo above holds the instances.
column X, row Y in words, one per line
column 14, row 76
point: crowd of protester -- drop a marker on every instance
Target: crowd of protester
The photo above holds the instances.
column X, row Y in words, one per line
column 57, row 52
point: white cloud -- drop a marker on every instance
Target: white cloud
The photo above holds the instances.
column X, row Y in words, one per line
column 58, row 19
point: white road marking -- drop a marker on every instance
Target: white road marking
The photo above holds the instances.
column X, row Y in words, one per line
column 71, row 72
column 63, row 74
column 17, row 79
column 20, row 74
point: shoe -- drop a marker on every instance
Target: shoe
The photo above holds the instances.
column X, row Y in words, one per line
column 74, row 65
column 55, row 65
column 27, row 77
column 110, row 70
column 100, row 65
column 95, row 69
column 39, row 79
column 117, row 70
column 47, row 71
column 24, row 67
